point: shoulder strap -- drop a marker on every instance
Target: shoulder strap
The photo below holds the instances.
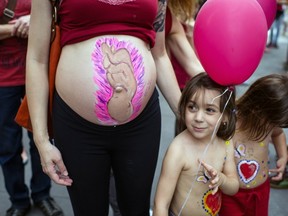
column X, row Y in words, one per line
column 55, row 5
column 8, row 13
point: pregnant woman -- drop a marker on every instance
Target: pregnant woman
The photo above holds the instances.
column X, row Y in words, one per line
column 106, row 110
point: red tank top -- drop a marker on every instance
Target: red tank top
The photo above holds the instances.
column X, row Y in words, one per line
column 168, row 22
column 13, row 50
column 83, row 19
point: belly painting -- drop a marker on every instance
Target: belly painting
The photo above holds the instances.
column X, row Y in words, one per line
column 119, row 75
column 212, row 203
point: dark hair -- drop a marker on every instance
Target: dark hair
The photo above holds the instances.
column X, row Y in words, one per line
column 200, row 4
column 264, row 106
column 203, row 81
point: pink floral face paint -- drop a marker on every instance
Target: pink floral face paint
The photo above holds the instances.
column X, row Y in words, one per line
column 118, row 74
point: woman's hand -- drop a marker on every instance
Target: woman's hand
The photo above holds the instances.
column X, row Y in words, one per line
column 21, row 26
column 53, row 165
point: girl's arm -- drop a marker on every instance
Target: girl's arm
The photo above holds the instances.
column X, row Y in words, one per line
column 227, row 180
column 230, row 183
column 279, row 140
column 37, row 90
column 171, row 168
column 166, row 79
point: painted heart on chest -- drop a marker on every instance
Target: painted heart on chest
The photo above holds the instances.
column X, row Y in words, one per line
column 247, row 170
column 212, row 203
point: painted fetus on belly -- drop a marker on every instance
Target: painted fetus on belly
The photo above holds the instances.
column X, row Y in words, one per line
column 119, row 71
column 119, row 76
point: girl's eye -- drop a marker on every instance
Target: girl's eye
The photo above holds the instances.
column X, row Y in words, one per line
column 192, row 107
column 210, row 110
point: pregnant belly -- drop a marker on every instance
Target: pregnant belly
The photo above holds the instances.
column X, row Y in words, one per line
column 118, row 80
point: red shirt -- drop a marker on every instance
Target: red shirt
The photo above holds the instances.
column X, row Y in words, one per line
column 83, row 19
column 13, row 50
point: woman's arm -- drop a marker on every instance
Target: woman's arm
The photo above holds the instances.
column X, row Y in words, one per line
column 282, row 1
column 37, row 67
column 279, row 140
column 18, row 28
column 37, row 89
column 182, row 50
column 6, row 31
column 166, row 79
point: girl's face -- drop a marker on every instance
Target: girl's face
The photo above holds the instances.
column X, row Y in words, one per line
column 202, row 113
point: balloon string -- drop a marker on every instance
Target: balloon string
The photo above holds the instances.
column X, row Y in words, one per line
column 220, row 96
column 206, row 149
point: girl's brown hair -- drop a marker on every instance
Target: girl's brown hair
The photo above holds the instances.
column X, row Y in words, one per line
column 201, row 82
column 264, row 106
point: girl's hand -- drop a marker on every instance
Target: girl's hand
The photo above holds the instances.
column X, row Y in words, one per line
column 21, row 26
column 215, row 177
column 53, row 165
column 279, row 170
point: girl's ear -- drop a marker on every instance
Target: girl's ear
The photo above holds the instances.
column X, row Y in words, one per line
column 224, row 123
column 224, row 119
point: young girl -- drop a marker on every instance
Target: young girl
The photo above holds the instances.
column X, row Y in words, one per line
column 188, row 185
column 261, row 112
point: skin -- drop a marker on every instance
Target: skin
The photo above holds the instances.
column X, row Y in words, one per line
column 257, row 151
column 282, row 1
column 182, row 159
column 15, row 28
column 177, row 43
column 72, row 85
column 278, row 139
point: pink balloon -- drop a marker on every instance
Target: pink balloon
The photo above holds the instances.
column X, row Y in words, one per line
column 230, row 38
column 269, row 7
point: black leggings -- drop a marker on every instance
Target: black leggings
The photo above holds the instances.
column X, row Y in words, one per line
column 90, row 151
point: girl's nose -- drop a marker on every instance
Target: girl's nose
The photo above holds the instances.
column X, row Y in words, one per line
column 199, row 116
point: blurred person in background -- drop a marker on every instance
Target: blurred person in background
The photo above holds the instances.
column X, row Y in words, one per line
column 14, row 28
